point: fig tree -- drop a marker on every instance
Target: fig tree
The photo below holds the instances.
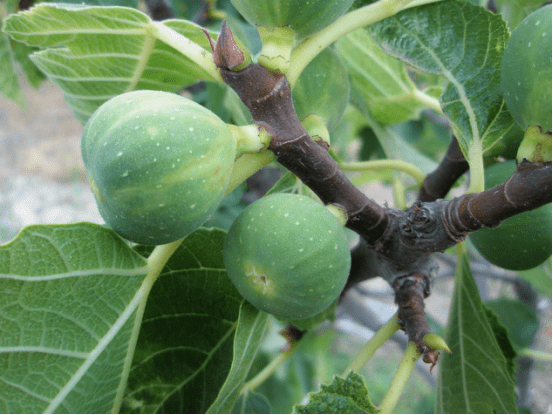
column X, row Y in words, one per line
column 526, row 71
column 157, row 163
column 520, row 242
column 288, row 256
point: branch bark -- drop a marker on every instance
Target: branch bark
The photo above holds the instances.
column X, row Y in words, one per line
column 400, row 242
column 438, row 183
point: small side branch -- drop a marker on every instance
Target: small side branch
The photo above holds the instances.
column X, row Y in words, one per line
column 438, row 183
column 409, row 296
column 528, row 188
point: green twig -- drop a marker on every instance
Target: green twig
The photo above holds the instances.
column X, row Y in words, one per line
column 247, row 165
column 188, row 48
column 376, row 341
column 428, row 101
column 476, row 166
column 536, row 355
column 400, row 379
column 399, row 165
column 399, row 193
column 268, row 370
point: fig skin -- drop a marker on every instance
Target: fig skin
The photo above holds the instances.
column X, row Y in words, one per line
column 288, row 256
column 157, row 163
column 304, row 17
column 526, row 71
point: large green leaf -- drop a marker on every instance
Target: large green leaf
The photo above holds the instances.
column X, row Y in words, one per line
column 185, row 349
column 70, row 305
column 476, row 378
column 464, row 43
column 381, row 79
column 94, row 53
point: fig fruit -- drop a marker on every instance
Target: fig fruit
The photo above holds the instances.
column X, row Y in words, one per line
column 288, row 256
column 520, row 242
column 526, row 71
column 304, row 17
column 158, row 164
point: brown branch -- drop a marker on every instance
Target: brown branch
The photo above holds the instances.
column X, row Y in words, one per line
column 528, row 188
column 402, row 240
column 398, row 243
column 438, row 183
column 269, row 98
column 409, row 296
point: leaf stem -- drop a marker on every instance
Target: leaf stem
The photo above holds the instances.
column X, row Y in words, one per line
column 156, row 261
column 376, row 341
column 246, row 165
column 476, row 167
column 399, row 193
column 249, row 138
column 306, row 50
column 188, row 48
column 387, row 164
column 268, row 370
column 536, row 355
column 428, row 101
column 400, row 379
column 159, row 257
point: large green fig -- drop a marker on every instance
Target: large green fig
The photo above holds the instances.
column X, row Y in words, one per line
column 322, row 89
column 304, row 17
column 158, row 164
column 288, row 256
column 526, row 71
column 521, row 242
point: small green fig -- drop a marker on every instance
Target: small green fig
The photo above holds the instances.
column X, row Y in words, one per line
column 288, row 256
column 158, row 164
column 304, row 17
column 535, row 146
column 526, row 71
